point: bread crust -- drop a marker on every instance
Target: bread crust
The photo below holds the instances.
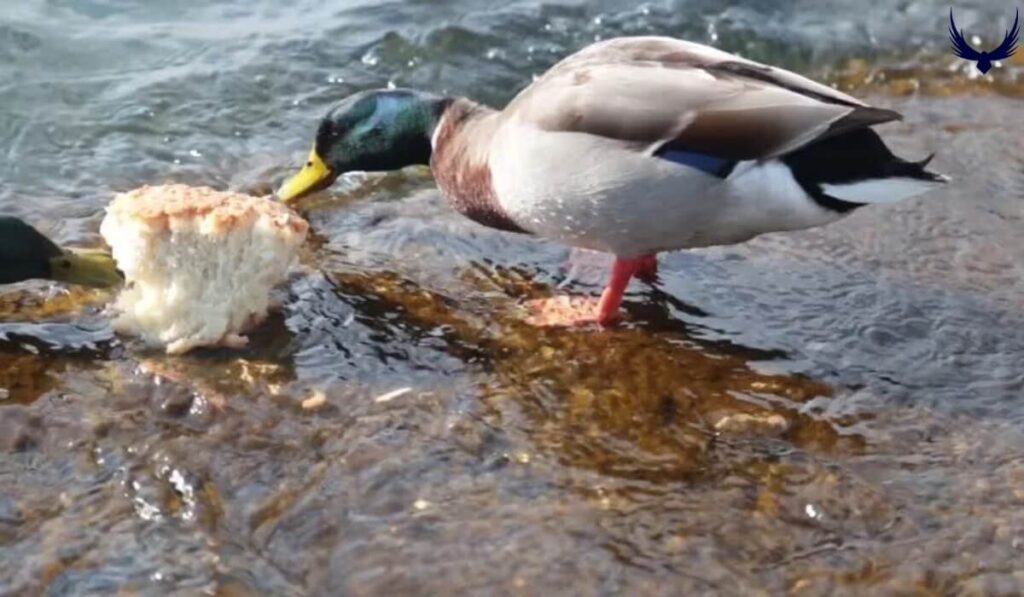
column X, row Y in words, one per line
column 199, row 264
column 158, row 205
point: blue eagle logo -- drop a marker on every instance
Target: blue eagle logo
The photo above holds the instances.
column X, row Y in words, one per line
column 984, row 59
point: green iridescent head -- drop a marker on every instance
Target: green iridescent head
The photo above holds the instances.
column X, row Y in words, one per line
column 370, row 131
column 26, row 254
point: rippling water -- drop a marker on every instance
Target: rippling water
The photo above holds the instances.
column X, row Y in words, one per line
column 837, row 410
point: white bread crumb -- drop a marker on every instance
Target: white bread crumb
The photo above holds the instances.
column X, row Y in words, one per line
column 199, row 264
column 315, row 400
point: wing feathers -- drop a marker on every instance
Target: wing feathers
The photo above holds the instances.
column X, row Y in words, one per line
column 653, row 93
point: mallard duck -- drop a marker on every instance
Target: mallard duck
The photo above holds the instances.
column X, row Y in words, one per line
column 26, row 254
column 631, row 146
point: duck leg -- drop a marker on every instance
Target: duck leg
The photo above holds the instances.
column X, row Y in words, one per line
column 648, row 269
column 566, row 311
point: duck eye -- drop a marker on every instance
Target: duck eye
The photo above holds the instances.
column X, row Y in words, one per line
column 309, row 164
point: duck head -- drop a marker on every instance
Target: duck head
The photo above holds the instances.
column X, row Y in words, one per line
column 26, row 254
column 370, row 131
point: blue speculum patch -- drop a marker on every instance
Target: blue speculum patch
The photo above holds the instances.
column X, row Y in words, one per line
column 709, row 164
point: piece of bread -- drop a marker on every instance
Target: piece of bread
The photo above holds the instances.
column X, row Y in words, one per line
column 198, row 263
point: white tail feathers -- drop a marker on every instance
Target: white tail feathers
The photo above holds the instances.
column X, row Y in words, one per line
column 882, row 190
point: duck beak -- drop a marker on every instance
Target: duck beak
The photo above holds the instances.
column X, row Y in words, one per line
column 314, row 176
column 85, row 267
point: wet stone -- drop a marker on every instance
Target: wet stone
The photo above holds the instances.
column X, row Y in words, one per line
column 10, row 511
column 20, row 429
column 174, row 401
column 71, row 552
column 993, row 584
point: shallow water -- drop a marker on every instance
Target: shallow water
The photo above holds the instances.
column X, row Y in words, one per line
column 837, row 410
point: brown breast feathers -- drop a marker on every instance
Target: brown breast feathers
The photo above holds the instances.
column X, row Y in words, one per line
column 461, row 170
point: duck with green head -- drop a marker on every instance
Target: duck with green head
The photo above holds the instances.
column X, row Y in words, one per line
column 25, row 254
column 631, row 146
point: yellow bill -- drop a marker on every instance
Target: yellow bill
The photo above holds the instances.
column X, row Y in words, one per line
column 86, row 267
column 315, row 175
